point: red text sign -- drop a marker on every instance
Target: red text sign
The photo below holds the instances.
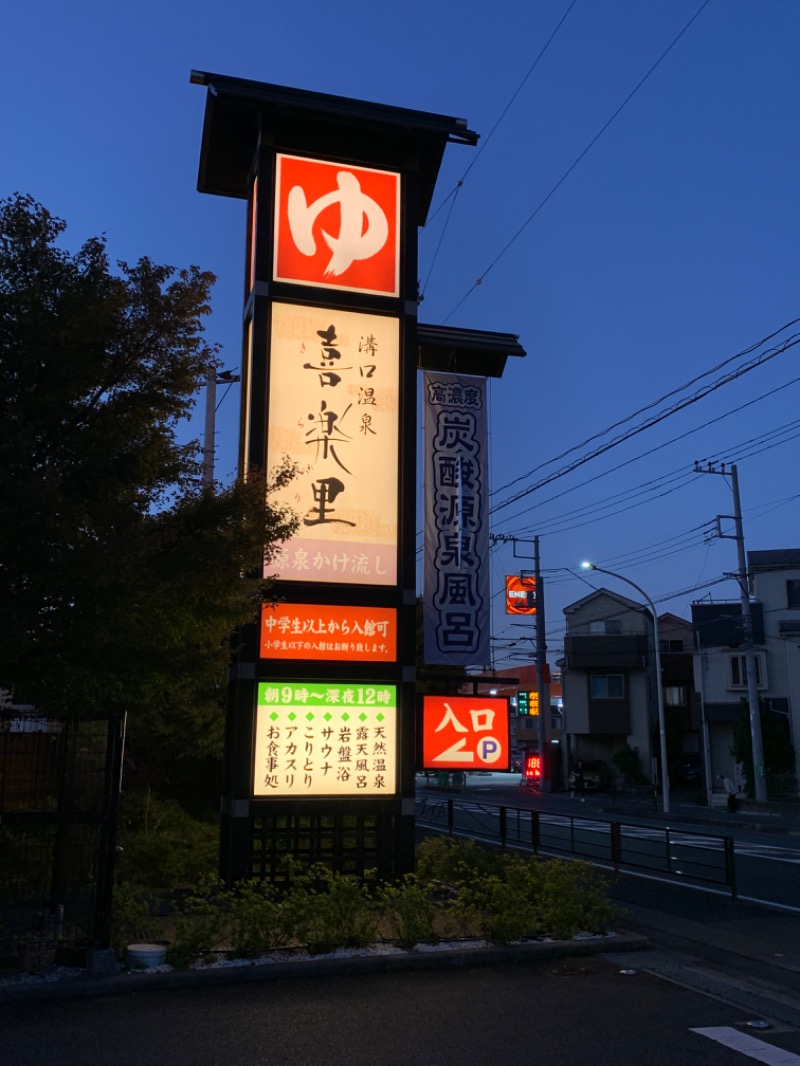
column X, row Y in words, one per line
column 321, row 631
column 465, row 733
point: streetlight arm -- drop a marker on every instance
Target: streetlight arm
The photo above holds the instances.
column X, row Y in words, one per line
column 662, row 733
column 633, row 584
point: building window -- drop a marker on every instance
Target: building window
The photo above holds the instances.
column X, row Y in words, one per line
column 607, row 686
column 609, row 627
column 793, row 594
column 670, row 645
column 675, row 695
column 737, row 665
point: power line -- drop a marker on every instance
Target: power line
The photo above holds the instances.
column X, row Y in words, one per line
column 585, row 152
column 653, row 420
column 453, row 194
column 658, row 448
column 651, row 405
column 648, row 487
column 505, row 110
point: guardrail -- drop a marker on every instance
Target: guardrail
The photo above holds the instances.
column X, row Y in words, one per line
column 680, row 856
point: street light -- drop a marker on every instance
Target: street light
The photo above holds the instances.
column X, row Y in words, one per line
column 662, row 734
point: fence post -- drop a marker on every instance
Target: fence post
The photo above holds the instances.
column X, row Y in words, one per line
column 730, row 867
column 669, row 850
column 616, row 845
column 449, row 817
column 101, row 957
column 535, row 831
column 503, row 826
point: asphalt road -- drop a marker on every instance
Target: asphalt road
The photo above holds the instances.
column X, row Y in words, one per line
column 554, row 1013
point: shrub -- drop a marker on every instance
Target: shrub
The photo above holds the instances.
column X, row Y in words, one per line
column 201, row 924
column 628, row 763
column 443, row 861
column 258, row 919
column 134, row 917
column 459, row 886
column 409, row 912
column 506, row 901
column 329, row 910
column 573, row 899
column 163, row 846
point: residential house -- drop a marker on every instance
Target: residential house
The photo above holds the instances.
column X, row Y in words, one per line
column 610, row 695
column 720, row 662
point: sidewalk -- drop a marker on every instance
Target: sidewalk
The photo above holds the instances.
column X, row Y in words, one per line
column 70, row 984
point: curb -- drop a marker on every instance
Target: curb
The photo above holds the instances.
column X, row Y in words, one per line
column 457, row 958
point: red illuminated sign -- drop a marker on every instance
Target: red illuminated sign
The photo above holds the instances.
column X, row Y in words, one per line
column 465, row 733
column 533, row 766
column 520, row 594
column 322, row 631
column 337, row 226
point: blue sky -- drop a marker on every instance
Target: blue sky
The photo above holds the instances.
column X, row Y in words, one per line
column 627, row 270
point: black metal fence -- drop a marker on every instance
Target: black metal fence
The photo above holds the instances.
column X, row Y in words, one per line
column 680, row 856
column 59, row 789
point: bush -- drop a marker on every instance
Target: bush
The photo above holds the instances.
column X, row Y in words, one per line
column 201, row 924
column 573, row 899
column 628, row 763
column 409, row 912
column 134, row 917
column 459, row 885
column 443, row 861
column 507, row 897
column 507, row 902
column 163, row 847
column 329, row 910
column 258, row 919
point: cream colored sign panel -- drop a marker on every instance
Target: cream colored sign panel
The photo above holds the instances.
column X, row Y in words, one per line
column 321, row 739
column 334, row 409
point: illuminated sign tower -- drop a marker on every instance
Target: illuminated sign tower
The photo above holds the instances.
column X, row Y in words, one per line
column 320, row 730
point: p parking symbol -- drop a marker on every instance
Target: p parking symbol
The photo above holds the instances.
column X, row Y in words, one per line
column 489, row 749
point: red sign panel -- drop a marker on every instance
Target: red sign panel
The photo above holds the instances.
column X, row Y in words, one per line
column 533, row 766
column 322, row 631
column 337, row 226
column 520, row 594
column 465, row 733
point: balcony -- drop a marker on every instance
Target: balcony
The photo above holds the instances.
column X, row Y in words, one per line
column 628, row 651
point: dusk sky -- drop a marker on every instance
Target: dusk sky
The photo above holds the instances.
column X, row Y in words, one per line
column 632, row 212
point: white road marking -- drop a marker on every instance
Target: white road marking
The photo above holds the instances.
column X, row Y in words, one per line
column 748, row 1045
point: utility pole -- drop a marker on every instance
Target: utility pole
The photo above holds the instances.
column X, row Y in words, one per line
column 210, row 421
column 760, row 783
column 542, row 687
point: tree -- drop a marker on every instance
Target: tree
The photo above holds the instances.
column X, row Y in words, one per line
column 775, row 739
column 120, row 577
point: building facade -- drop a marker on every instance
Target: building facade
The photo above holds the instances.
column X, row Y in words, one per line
column 610, row 694
column 721, row 671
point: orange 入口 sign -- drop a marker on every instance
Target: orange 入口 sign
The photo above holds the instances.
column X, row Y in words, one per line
column 337, row 226
column 465, row 733
column 322, row 631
